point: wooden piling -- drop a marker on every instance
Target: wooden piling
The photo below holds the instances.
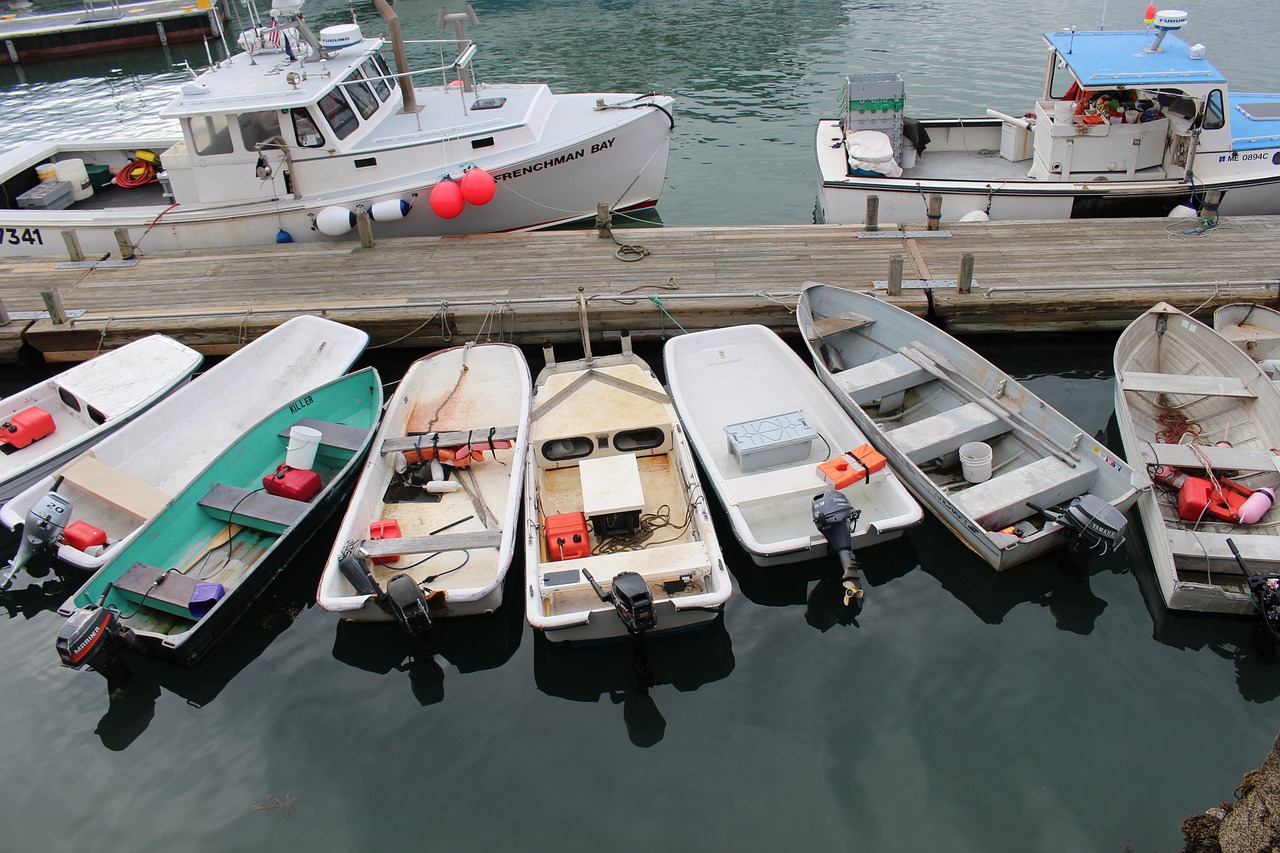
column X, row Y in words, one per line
column 935, row 212
column 72, row 243
column 895, row 275
column 53, row 304
column 122, row 240
column 873, row 213
column 964, row 281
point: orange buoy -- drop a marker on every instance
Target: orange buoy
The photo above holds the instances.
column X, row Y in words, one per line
column 1150, row 17
column 478, row 186
column 446, row 198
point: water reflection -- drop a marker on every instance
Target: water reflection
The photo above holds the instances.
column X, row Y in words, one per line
column 1056, row 581
column 470, row 645
column 132, row 701
column 632, row 674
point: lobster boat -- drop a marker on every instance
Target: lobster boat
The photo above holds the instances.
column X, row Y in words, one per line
column 618, row 536
column 177, row 586
column 1202, row 419
column 1128, row 123
column 312, row 137
column 1005, row 471
column 434, row 522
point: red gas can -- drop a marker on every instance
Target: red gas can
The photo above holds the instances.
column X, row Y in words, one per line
column 567, row 537
column 25, row 427
column 387, row 528
column 82, row 535
column 296, row 483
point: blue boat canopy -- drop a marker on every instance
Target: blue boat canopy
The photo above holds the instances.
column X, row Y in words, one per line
column 1110, row 59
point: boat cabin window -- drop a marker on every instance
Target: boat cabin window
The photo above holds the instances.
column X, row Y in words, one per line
column 338, row 113
column 376, row 67
column 360, row 94
column 258, row 129
column 560, row 449
column 1215, row 117
column 210, row 135
column 305, row 130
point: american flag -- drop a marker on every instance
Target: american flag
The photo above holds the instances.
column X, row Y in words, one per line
column 273, row 35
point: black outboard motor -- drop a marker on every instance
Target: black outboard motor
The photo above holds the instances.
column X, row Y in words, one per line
column 41, row 533
column 632, row 600
column 1265, row 592
column 93, row 637
column 836, row 519
column 1092, row 524
column 409, row 606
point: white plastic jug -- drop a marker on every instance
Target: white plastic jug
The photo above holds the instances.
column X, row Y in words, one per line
column 303, row 443
column 975, row 461
column 73, row 172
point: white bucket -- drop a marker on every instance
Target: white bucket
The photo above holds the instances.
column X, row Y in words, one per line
column 1063, row 112
column 975, row 461
column 73, row 172
column 46, row 172
column 301, row 452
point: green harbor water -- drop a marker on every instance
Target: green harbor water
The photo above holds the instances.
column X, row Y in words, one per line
column 1046, row 708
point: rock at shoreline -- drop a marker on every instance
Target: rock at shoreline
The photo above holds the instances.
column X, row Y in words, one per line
column 1249, row 825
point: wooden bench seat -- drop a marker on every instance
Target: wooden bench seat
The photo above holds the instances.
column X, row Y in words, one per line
column 172, row 595
column 490, row 538
column 114, row 487
column 1003, row 499
column 256, row 509
column 881, row 377
column 1223, row 458
column 654, row 564
column 1177, row 383
column 769, row 486
column 944, row 433
column 334, row 436
column 1202, row 550
column 451, row 438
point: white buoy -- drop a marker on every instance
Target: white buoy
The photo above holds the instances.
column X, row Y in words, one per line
column 1183, row 211
column 392, row 208
column 335, row 221
column 975, row 216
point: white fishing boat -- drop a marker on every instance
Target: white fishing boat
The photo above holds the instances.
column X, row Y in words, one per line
column 88, row 510
column 434, row 522
column 1255, row 329
column 1129, row 123
column 53, row 420
column 1009, row 474
column 613, row 502
column 1204, row 421
column 297, row 135
column 765, row 429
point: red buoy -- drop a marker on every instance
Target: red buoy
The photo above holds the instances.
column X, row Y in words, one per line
column 478, row 186
column 446, row 198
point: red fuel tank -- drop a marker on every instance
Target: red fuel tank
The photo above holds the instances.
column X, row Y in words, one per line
column 567, row 537
column 25, row 427
column 296, row 483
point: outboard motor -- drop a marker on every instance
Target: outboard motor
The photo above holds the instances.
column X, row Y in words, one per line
column 409, row 606
column 92, row 637
column 41, row 532
column 836, row 519
column 631, row 599
column 1092, row 524
column 1265, row 592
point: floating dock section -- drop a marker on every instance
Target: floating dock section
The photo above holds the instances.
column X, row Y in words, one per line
column 535, row 287
column 104, row 27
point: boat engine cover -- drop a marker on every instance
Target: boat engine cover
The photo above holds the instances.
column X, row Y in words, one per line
column 634, row 602
column 89, row 638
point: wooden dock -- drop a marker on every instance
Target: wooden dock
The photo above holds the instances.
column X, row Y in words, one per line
column 105, row 25
column 430, row 292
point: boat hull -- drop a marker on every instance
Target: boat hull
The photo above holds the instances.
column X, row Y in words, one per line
column 861, row 329
column 1228, row 398
column 160, row 451
column 212, row 532
column 494, row 393
column 725, row 377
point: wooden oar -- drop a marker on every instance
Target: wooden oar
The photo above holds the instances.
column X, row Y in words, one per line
column 223, row 536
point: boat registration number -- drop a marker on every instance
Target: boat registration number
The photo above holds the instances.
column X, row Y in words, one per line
column 18, row 236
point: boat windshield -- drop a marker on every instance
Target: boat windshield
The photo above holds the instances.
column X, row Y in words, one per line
column 338, row 113
column 360, row 94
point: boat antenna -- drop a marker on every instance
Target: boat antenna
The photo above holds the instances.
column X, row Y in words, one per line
column 1103, row 25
